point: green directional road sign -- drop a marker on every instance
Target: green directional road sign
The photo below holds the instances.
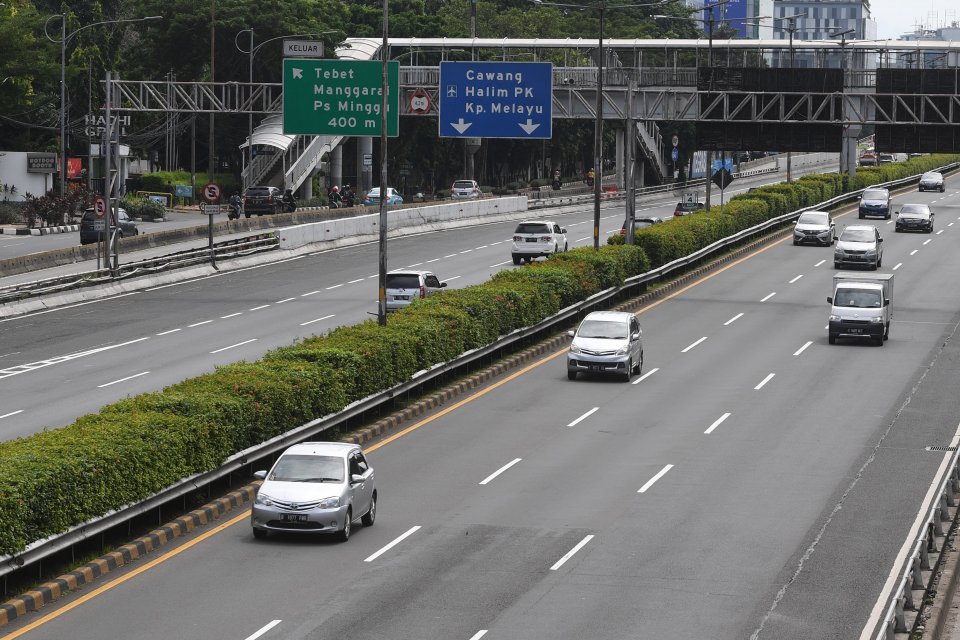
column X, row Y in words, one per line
column 339, row 97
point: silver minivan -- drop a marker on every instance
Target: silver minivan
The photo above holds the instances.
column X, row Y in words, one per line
column 403, row 287
column 606, row 342
column 859, row 245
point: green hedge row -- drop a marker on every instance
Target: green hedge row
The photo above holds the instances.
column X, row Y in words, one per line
column 680, row 237
column 136, row 447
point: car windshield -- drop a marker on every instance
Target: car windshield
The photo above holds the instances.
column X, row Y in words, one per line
column 643, row 223
column 812, row 217
column 602, row 329
column 857, row 235
column 308, row 468
column 402, row 281
column 463, row 184
column 915, row 210
column 874, row 195
column 930, row 176
column 859, row 298
column 532, row 227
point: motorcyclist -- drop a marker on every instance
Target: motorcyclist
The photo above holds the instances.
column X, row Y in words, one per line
column 235, row 206
column 590, row 177
column 347, row 196
column 334, row 197
column 556, row 180
column 289, row 202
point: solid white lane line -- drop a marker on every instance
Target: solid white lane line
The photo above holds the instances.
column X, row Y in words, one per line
column 768, row 296
column 355, row 281
column 499, row 264
column 479, row 634
column 239, row 344
column 733, row 319
column 500, row 470
column 434, row 260
column 232, row 315
column 795, row 279
column 310, row 293
column 163, row 333
column 716, row 424
column 939, row 232
column 262, row 630
column 136, row 375
column 914, row 251
column 197, row 324
column 926, row 242
column 452, row 278
column 12, row 413
column 303, row 324
column 819, row 263
column 659, row 475
column 897, row 266
column 285, row 300
column 764, row 381
column 410, row 532
column 263, row 306
column 694, row 344
column 801, row 349
column 584, row 417
column 335, row 286
column 570, row 554
column 646, row 375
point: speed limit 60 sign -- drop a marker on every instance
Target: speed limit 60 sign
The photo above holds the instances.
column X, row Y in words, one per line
column 211, row 192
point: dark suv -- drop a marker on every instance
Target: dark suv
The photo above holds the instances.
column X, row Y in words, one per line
column 125, row 226
column 261, row 200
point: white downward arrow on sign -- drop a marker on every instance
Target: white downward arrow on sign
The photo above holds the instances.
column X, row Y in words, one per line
column 297, row 73
column 529, row 127
column 460, row 125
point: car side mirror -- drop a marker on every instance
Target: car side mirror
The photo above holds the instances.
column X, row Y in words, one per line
column 563, row 231
column 830, row 299
column 886, row 302
column 443, row 284
column 260, row 475
column 879, row 239
column 635, row 336
column 570, row 334
column 356, row 479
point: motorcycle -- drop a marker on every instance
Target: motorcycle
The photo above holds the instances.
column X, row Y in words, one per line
column 289, row 203
column 556, row 185
column 234, row 213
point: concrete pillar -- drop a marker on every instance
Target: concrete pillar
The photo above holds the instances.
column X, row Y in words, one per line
column 471, row 148
column 365, row 173
column 306, row 190
column 621, row 156
column 336, row 165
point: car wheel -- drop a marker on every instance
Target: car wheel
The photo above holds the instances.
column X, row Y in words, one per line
column 259, row 533
column 886, row 332
column 796, row 242
column 639, row 368
column 556, row 248
column 516, row 259
column 832, row 338
column 120, row 233
column 836, row 265
column 344, row 534
column 861, row 216
column 878, row 341
column 246, row 215
column 930, row 230
column 629, row 373
column 943, row 188
column 371, row 515
column 566, row 246
column 571, row 375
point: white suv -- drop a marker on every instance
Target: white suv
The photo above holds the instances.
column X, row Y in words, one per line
column 465, row 190
column 535, row 238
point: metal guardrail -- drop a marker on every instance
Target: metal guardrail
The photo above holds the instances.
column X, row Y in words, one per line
column 41, row 549
column 222, row 250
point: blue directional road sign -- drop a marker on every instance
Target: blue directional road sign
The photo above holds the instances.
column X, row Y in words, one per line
column 723, row 163
column 496, row 100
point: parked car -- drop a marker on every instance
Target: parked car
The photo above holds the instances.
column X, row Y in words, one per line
column 859, row 245
column 640, row 223
column 535, row 238
column 875, row 202
column 373, row 197
column 932, row 181
column 606, row 342
column 403, row 287
column 465, row 190
column 126, row 227
column 914, row 217
column 315, row 487
column 261, row 200
column 814, row 227
column 686, row 208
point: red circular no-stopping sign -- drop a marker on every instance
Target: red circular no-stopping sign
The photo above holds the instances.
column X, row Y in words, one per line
column 100, row 207
column 211, row 192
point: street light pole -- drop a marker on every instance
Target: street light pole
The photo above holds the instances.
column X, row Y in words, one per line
column 384, row 88
column 64, row 38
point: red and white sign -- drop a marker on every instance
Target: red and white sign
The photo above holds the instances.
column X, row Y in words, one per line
column 420, row 102
column 675, row 140
column 100, row 207
column 211, row 192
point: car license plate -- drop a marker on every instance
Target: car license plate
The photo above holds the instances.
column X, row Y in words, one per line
column 856, row 330
column 596, row 367
column 401, row 297
column 531, row 240
column 293, row 517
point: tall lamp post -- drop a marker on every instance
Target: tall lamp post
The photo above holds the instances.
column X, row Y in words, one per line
column 791, row 29
column 252, row 52
column 64, row 39
column 847, row 151
column 384, row 89
column 601, row 7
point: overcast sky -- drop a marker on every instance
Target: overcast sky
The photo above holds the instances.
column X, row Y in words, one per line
column 896, row 17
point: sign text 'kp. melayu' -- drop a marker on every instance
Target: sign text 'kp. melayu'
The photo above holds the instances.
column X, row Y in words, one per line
column 496, row 100
column 339, row 97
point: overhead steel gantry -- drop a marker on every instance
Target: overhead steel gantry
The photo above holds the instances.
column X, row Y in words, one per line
column 665, row 72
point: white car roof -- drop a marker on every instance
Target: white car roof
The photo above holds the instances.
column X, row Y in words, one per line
column 860, row 227
column 322, row 448
column 623, row 316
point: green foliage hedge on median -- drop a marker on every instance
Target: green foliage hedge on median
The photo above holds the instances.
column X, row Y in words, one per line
column 136, row 447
